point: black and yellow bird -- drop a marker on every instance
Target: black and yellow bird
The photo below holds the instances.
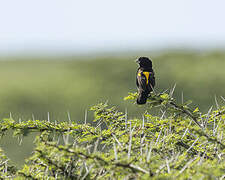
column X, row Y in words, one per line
column 145, row 79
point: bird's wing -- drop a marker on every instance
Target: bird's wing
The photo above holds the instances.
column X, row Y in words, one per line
column 142, row 80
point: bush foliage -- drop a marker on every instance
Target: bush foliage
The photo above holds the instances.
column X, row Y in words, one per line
column 180, row 143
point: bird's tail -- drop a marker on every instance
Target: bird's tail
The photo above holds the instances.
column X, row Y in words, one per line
column 142, row 98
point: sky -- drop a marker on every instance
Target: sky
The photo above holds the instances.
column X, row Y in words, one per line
column 99, row 25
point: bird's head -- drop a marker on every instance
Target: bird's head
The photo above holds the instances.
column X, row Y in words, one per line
column 144, row 62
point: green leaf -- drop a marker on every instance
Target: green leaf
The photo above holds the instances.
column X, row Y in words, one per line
column 196, row 110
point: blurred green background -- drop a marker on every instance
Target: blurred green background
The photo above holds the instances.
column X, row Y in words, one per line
column 32, row 86
column 65, row 56
column 72, row 84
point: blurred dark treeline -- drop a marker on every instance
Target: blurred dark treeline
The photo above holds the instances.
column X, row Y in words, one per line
column 32, row 87
column 35, row 86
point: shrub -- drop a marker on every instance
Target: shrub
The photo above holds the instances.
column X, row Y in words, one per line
column 180, row 143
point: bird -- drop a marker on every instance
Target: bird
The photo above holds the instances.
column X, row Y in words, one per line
column 145, row 79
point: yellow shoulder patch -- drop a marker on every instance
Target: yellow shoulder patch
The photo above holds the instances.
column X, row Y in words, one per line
column 147, row 76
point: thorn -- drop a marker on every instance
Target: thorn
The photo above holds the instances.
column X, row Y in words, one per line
column 126, row 118
column 172, row 91
column 68, row 114
column 106, row 102
column 187, row 164
column 192, row 145
column 48, row 117
column 143, row 122
column 159, row 135
column 153, row 89
column 217, row 105
column 117, row 140
column 74, row 143
column 168, row 166
column 96, row 145
column 163, row 113
column 66, row 139
column 115, row 151
column 58, row 140
column 149, row 152
column 185, row 132
column 142, row 140
column 207, row 118
column 222, row 98
column 182, row 97
column 170, row 128
column 33, row 117
column 202, row 122
column 10, row 115
column 164, row 91
column 21, row 140
column 85, row 117
column 130, row 142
